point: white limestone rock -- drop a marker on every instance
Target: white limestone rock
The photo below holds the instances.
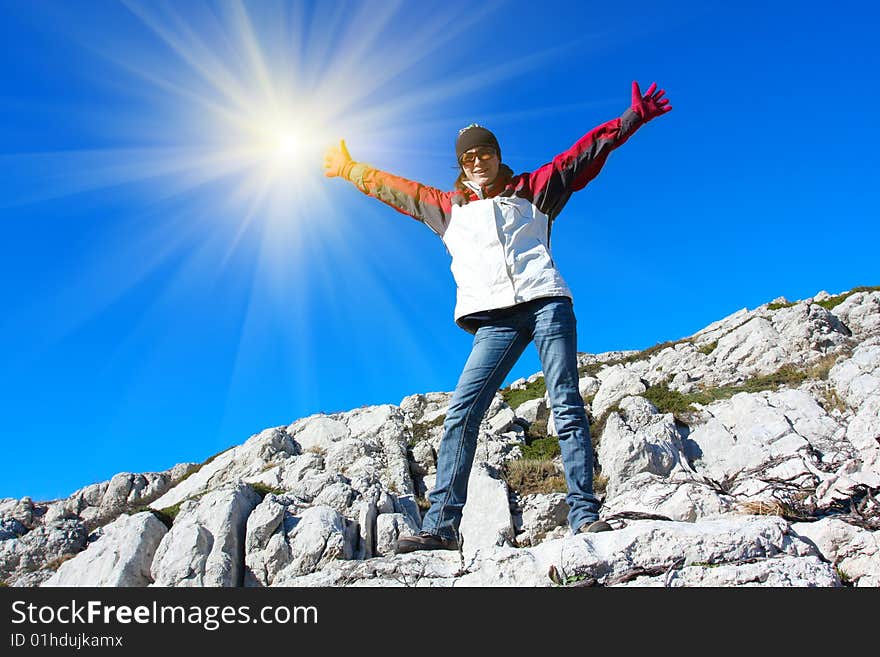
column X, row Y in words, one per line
column 99, row 503
column 617, row 382
column 588, row 386
column 281, row 536
column 804, row 413
column 678, row 497
column 806, row 330
column 368, row 512
column 373, row 421
column 683, row 362
column 730, row 541
column 747, row 437
column 390, row 526
column 205, row 545
column 121, row 557
column 317, row 433
column 863, row 431
column 861, row 313
column 18, row 510
column 774, row 572
column 318, row 536
column 33, row 557
column 857, row 382
column 251, row 458
column 849, row 478
column 652, row 445
column 857, row 379
column 375, row 452
column 302, row 475
column 530, row 410
column 855, row 551
column 542, row 514
column 651, row 543
column 417, row 569
column 338, row 496
column 716, row 330
column 486, row 520
column 751, row 348
column 425, row 408
column 496, row 449
column 266, row 548
column 501, row 421
column 424, row 458
column 11, row 528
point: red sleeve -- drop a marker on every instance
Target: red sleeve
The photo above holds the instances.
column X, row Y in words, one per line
column 550, row 186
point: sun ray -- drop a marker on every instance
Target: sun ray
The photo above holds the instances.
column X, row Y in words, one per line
column 231, row 108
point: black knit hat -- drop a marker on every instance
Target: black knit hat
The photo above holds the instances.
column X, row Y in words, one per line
column 472, row 136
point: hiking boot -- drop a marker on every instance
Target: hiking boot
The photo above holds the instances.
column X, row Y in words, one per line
column 593, row 527
column 425, row 541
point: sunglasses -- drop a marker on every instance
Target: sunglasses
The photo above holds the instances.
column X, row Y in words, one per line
column 482, row 154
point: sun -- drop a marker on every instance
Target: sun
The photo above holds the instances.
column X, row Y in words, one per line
column 282, row 144
column 286, row 145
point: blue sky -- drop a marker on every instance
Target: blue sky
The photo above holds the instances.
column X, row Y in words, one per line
column 171, row 285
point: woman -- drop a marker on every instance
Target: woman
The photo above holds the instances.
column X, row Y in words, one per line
column 496, row 226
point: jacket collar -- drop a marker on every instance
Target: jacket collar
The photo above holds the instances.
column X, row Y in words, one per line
column 494, row 188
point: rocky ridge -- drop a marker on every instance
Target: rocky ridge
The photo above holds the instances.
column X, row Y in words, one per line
column 747, row 454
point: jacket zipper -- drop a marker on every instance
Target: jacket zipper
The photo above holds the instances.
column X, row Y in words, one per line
column 495, row 210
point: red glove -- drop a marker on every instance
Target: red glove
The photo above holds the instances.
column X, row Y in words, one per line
column 652, row 104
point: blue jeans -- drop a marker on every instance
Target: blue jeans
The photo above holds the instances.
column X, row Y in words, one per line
column 498, row 344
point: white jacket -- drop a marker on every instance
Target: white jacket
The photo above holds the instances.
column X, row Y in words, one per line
column 500, row 254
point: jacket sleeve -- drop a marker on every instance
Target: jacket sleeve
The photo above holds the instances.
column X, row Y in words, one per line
column 550, row 186
column 421, row 202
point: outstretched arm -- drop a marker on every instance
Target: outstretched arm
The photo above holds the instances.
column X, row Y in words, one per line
column 426, row 204
column 551, row 185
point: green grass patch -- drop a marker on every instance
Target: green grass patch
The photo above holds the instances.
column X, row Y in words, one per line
column 190, row 471
column 211, row 458
column 168, row 514
column 821, row 368
column 592, row 369
column 263, row 490
column 656, row 349
column 708, row 348
column 787, row 375
column 422, row 430
column 668, row 401
column 527, row 476
column 423, row 503
column 598, row 426
column 534, row 390
column 780, row 304
column 831, row 401
column 55, row 564
column 542, row 449
column 831, row 302
column 163, row 517
column 679, row 404
column 600, row 483
column 570, row 580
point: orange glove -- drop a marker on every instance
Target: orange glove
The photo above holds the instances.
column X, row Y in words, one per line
column 336, row 159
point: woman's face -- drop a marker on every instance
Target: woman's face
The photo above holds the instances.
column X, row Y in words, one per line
column 480, row 165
